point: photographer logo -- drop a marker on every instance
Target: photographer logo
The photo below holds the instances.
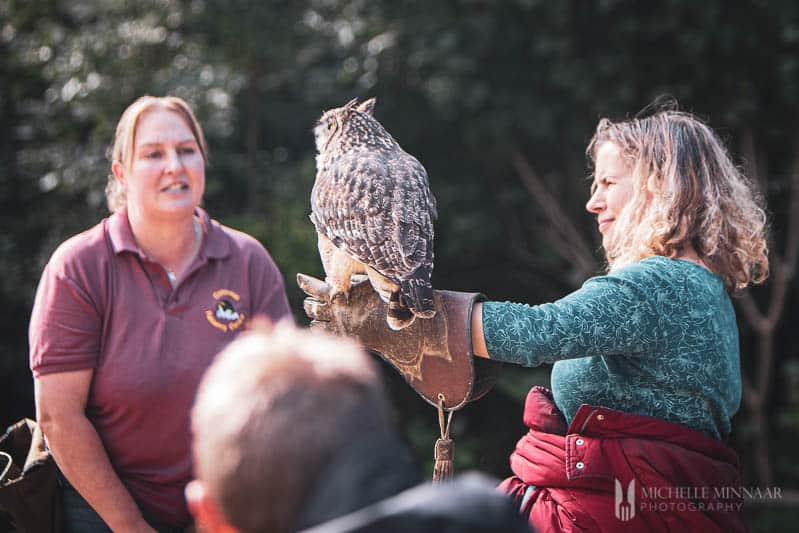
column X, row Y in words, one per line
column 625, row 507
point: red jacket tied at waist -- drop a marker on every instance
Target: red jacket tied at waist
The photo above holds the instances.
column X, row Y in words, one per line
column 614, row 471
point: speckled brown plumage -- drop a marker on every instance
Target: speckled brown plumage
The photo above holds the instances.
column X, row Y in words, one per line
column 373, row 211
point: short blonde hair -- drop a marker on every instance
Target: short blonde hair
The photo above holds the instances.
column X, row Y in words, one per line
column 125, row 139
column 270, row 415
column 686, row 192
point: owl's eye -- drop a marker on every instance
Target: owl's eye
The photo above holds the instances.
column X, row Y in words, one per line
column 331, row 124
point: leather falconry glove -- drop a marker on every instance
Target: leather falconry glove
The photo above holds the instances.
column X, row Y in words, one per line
column 433, row 355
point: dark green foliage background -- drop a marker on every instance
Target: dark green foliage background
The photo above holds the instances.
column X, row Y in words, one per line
column 462, row 84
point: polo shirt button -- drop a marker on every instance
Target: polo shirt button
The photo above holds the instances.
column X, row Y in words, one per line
column 579, row 442
column 580, row 465
column 600, row 417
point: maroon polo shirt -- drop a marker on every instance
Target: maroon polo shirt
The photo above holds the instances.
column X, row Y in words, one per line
column 102, row 304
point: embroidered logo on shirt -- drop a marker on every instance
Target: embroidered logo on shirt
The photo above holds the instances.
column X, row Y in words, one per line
column 224, row 315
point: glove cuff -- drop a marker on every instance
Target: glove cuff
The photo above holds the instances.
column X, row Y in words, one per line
column 462, row 378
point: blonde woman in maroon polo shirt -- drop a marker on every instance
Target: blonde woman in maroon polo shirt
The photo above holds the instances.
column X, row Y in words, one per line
column 127, row 317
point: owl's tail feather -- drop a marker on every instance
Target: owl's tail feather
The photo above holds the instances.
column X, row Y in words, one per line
column 398, row 315
column 414, row 299
column 417, row 292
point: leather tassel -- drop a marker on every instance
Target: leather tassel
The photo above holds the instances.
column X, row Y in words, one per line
column 445, row 447
column 442, row 471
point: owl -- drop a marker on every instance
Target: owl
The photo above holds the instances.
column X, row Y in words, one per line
column 373, row 211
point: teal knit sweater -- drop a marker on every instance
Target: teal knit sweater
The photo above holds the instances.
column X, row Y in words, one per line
column 657, row 338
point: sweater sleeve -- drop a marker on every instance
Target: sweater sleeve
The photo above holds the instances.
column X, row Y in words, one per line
column 608, row 315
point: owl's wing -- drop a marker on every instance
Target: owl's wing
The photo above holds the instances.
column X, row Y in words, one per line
column 379, row 210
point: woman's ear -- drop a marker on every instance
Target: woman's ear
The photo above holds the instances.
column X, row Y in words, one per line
column 119, row 171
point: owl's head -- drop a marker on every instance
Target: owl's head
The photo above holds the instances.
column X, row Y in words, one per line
column 352, row 125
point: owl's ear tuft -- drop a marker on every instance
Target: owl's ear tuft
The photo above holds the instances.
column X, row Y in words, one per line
column 349, row 105
column 368, row 106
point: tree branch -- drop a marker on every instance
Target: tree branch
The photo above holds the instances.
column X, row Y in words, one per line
column 573, row 247
column 752, row 169
column 748, row 307
column 792, row 235
column 751, row 398
column 783, row 269
column 521, row 241
column 788, row 498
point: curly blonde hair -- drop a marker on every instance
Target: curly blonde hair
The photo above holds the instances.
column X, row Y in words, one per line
column 125, row 139
column 687, row 193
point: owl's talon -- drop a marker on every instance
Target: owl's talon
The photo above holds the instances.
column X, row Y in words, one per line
column 331, row 294
column 313, row 287
column 334, row 293
column 357, row 279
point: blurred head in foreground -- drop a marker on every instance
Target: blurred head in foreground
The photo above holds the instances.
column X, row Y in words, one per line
column 271, row 413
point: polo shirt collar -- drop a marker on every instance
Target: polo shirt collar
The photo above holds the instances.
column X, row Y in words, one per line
column 120, row 233
column 216, row 244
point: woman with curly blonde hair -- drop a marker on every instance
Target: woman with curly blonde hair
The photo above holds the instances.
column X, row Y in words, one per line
column 688, row 200
column 646, row 367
